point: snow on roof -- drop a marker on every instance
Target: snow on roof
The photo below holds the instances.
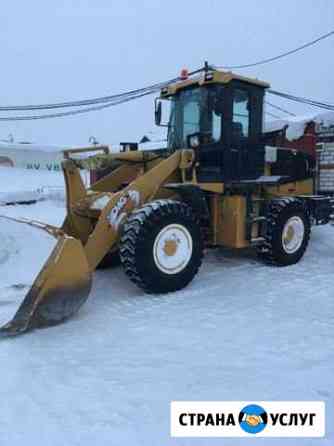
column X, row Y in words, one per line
column 153, row 145
column 31, row 147
column 295, row 125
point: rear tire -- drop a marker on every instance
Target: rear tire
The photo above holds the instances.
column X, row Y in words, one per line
column 161, row 246
column 288, row 232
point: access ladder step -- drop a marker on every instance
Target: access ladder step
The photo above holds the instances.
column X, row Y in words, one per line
column 257, row 240
column 258, row 219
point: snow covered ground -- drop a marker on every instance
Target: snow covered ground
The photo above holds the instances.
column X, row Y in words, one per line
column 240, row 331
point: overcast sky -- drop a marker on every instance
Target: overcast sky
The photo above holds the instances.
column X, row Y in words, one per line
column 55, row 50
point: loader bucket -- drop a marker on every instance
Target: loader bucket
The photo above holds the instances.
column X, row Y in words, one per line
column 59, row 290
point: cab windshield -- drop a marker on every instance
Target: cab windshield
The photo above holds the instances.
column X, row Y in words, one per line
column 193, row 111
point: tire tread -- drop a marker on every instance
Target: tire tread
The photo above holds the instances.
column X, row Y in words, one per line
column 139, row 224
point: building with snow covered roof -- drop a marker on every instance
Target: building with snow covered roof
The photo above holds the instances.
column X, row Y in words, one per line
column 31, row 156
column 313, row 134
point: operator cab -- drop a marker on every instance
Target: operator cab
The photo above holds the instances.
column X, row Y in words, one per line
column 220, row 116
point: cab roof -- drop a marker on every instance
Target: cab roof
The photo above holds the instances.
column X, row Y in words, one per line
column 210, row 77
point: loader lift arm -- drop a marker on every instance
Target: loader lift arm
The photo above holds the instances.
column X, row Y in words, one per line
column 91, row 228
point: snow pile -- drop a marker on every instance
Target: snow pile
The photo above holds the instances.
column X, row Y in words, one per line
column 295, row 125
column 23, row 250
column 22, row 185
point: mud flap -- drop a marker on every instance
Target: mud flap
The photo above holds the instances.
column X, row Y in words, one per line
column 60, row 289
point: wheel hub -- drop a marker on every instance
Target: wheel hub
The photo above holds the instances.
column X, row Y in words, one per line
column 293, row 234
column 172, row 249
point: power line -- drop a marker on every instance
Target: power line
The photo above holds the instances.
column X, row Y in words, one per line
column 279, row 108
column 152, row 88
column 98, row 100
column 302, row 100
column 84, row 102
column 103, row 102
column 73, row 112
column 146, row 92
column 273, row 115
column 280, row 56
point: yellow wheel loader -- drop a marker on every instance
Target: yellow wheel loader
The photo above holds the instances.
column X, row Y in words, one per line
column 215, row 184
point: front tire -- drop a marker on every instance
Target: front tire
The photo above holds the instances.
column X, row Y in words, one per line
column 287, row 233
column 161, row 246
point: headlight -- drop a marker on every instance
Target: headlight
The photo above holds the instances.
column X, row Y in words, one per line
column 194, row 141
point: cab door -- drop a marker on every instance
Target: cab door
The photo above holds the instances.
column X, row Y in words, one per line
column 210, row 154
column 246, row 149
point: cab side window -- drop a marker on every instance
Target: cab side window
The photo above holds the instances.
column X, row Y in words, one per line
column 241, row 118
column 211, row 120
column 216, row 126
